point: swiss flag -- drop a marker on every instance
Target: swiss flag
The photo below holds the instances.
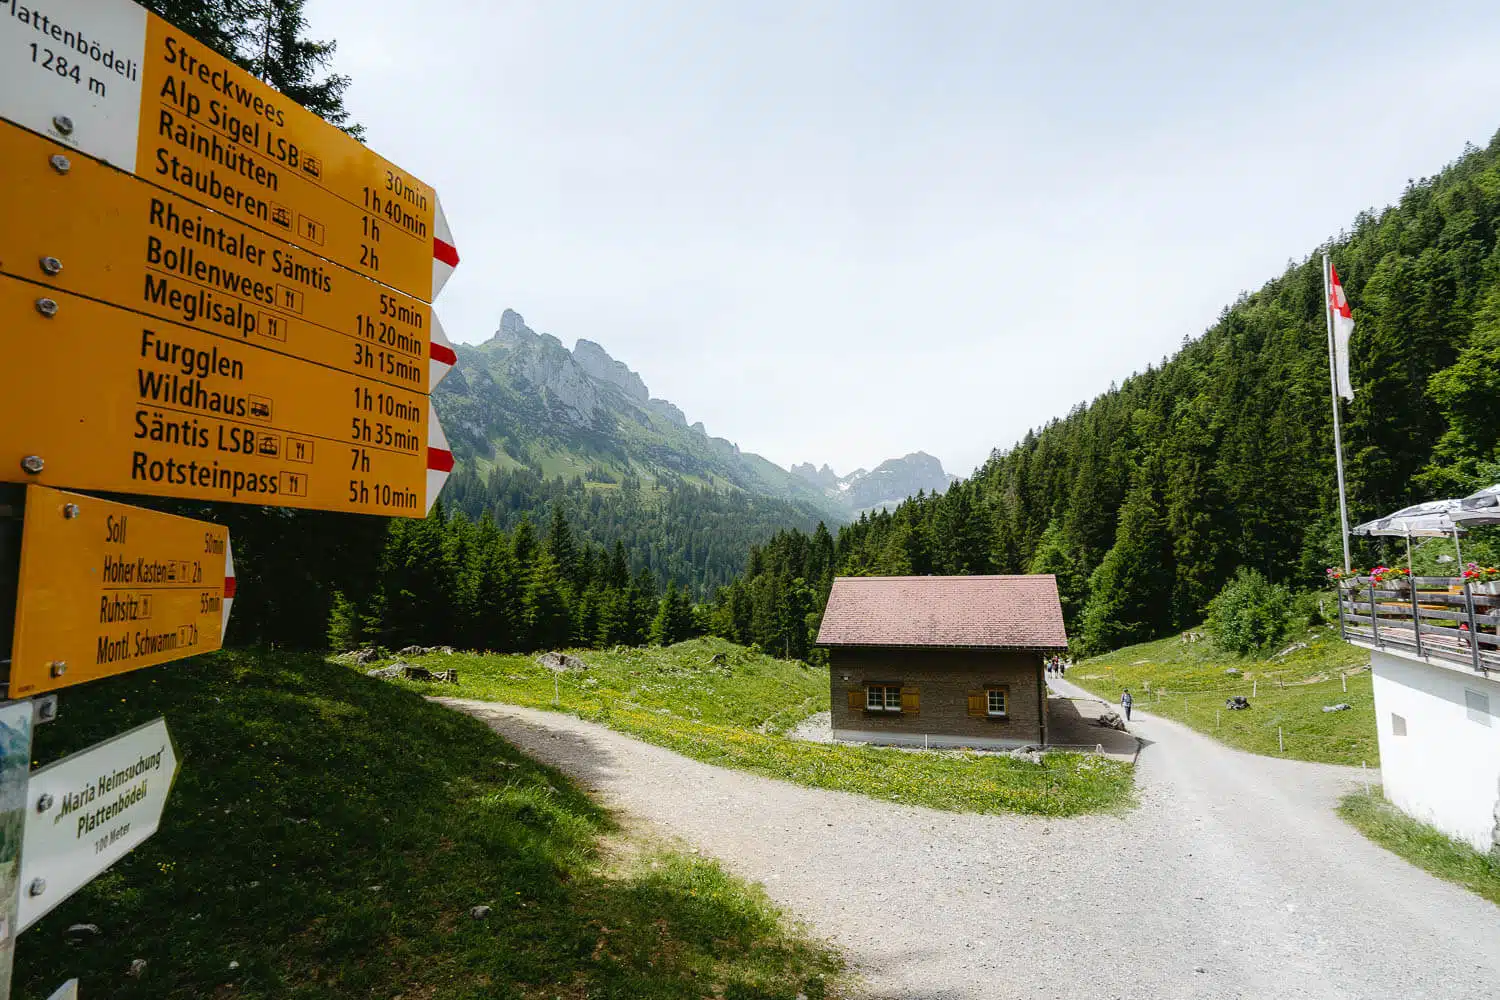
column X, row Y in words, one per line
column 1343, row 329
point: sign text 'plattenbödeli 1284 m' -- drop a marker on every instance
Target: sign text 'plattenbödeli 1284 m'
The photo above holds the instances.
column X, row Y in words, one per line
column 112, row 80
column 107, row 588
column 113, row 400
column 105, row 234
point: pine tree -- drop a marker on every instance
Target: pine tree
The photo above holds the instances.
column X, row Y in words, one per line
column 499, row 617
column 283, row 56
column 562, row 547
column 523, row 544
column 1052, row 556
column 1130, row 593
column 345, row 629
column 548, row 618
column 674, row 618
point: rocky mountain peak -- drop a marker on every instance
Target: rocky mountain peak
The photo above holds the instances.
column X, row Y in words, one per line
column 513, row 328
column 597, row 363
column 886, row 485
column 824, row 477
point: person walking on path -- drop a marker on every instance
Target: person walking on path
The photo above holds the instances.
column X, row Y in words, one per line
column 1125, row 702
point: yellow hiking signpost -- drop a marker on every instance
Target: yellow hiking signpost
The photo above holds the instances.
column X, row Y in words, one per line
column 206, row 292
column 104, row 234
column 106, row 588
column 144, row 406
column 116, row 82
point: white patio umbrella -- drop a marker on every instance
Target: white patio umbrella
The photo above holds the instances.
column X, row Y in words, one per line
column 1479, row 508
column 1433, row 519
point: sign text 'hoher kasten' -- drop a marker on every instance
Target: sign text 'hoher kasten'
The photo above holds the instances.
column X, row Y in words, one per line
column 109, row 79
column 106, row 588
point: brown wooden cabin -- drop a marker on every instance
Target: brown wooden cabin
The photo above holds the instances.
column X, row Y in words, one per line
column 941, row 661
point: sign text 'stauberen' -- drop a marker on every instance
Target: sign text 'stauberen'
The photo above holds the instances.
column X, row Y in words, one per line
column 121, row 241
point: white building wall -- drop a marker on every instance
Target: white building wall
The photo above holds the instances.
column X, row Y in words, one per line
column 1445, row 770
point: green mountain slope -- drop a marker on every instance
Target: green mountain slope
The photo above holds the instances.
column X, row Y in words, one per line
column 523, row 400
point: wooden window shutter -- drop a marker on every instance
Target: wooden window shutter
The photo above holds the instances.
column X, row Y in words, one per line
column 911, row 701
column 977, row 705
column 856, row 699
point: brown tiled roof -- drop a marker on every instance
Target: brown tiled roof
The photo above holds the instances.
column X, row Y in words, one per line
column 1015, row 612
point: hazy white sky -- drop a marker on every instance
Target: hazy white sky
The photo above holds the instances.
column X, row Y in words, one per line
column 840, row 232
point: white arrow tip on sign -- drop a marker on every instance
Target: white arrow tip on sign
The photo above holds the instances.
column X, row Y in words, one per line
column 439, row 457
column 444, row 252
column 229, row 584
column 440, row 354
column 67, row 991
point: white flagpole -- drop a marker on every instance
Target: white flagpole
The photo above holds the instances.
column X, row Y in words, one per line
column 1333, row 387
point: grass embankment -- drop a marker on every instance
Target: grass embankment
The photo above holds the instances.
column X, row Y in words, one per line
column 331, row 832
column 1189, row 682
column 723, row 704
column 1431, row 850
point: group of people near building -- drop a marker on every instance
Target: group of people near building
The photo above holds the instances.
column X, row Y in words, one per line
column 1057, row 666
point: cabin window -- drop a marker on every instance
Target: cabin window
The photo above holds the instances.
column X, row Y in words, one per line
column 883, row 698
column 995, row 701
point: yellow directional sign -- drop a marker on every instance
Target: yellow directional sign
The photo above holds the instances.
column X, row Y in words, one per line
column 213, row 132
column 106, row 588
column 116, row 82
column 106, row 399
column 107, row 235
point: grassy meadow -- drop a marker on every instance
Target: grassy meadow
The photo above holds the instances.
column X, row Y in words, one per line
column 1431, row 850
column 1189, row 682
column 723, row 704
column 330, row 833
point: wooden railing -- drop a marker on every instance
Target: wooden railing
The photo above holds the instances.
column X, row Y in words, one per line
column 1434, row 616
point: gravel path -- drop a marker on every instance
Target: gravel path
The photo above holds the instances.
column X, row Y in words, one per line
column 1234, row 878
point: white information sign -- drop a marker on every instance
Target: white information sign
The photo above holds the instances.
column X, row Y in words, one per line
column 100, row 804
column 80, row 60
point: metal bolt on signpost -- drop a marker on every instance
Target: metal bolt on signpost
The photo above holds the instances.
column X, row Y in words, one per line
column 60, row 163
column 50, row 265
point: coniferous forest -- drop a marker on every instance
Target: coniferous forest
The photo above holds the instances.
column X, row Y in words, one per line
column 694, row 536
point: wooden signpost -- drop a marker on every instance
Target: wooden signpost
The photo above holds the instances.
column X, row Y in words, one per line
column 206, row 292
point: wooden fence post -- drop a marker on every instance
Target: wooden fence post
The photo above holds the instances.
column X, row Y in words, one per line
column 1473, row 625
column 1416, row 614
